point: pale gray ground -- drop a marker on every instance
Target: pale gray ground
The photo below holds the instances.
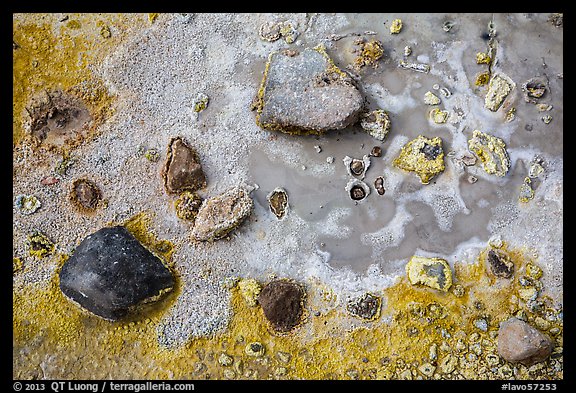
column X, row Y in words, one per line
column 351, row 248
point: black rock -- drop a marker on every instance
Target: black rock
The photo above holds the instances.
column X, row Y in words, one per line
column 110, row 273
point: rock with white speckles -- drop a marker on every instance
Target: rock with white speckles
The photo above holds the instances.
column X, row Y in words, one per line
column 221, row 214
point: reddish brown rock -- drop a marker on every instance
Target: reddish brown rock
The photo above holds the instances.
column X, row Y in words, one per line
column 518, row 342
column 182, row 171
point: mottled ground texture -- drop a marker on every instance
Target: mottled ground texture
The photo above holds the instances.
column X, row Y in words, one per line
column 179, row 127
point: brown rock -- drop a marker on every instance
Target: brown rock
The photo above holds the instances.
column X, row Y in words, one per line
column 85, row 194
column 182, row 171
column 282, row 303
column 520, row 342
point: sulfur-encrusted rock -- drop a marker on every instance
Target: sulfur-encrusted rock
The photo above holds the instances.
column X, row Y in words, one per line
column 432, row 272
column 423, row 156
column 110, row 273
column 499, row 88
column 518, row 342
column 219, row 215
column 249, row 289
column 376, row 123
column 282, row 303
column 491, row 151
column 182, row 171
column 305, row 92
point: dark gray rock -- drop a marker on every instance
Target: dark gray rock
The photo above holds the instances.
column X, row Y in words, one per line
column 110, row 273
column 305, row 93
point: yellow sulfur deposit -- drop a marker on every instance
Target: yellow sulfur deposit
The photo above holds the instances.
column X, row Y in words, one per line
column 431, row 272
column 396, row 26
column 423, row 156
column 491, row 151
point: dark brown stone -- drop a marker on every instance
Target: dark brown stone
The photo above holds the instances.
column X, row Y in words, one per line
column 376, row 151
column 379, row 185
column 282, row 303
column 500, row 264
column 357, row 167
column 182, row 171
column 357, row 193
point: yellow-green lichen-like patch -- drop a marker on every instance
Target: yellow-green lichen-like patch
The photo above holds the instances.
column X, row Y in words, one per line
column 288, row 31
column 152, row 155
column 423, row 156
column 139, row 226
column 187, row 205
column 482, row 79
column 431, row 98
column 153, row 16
column 510, row 115
column 17, row 264
column 396, row 26
column 27, row 204
column 249, row 289
column 483, row 58
column 39, row 245
column 491, row 151
column 370, row 53
column 438, row 116
column 432, row 272
column 201, row 102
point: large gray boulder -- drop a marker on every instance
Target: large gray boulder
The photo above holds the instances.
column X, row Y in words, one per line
column 306, row 93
